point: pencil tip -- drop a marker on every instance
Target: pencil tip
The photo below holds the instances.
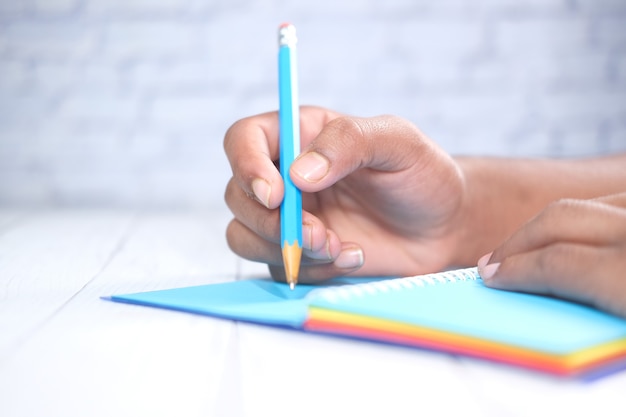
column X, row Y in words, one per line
column 292, row 254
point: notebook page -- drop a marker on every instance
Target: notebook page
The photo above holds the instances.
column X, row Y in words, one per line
column 467, row 306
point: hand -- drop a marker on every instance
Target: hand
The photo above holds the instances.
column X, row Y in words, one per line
column 574, row 249
column 378, row 196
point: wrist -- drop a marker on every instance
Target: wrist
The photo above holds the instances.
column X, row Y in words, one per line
column 502, row 194
column 494, row 204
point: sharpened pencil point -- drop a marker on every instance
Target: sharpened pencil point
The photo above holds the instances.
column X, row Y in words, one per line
column 292, row 254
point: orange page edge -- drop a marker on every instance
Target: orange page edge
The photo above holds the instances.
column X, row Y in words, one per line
column 371, row 328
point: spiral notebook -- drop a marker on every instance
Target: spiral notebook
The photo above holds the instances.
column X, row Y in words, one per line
column 452, row 312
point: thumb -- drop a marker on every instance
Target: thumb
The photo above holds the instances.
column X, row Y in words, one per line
column 347, row 144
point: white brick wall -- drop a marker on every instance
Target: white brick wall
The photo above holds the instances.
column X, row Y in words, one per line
column 125, row 102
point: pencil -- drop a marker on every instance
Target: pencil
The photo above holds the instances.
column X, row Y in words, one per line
column 289, row 139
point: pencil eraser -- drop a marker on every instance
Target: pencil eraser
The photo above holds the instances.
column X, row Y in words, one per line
column 287, row 35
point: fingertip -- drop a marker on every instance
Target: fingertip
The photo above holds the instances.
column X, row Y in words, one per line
column 268, row 192
column 486, row 268
column 488, row 272
column 484, row 260
column 262, row 191
column 350, row 257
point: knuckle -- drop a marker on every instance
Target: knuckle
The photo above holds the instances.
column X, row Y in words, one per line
column 549, row 263
column 261, row 225
column 347, row 126
column 558, row 211
column 564, row 204
column 231, row 193
column 235, row 131
column 232, row 236
column 228, row 192
column 355, row 138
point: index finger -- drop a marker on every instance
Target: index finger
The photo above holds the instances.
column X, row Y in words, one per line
column 589, row 222
column 251, row 145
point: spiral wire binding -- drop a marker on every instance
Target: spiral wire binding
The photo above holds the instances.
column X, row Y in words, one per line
column 346, row 292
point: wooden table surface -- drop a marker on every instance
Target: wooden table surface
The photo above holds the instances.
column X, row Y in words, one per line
column 66, row 352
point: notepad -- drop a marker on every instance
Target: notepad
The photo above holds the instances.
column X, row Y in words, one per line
column 451, row 312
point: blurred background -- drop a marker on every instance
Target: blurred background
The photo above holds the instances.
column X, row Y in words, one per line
column 124, row 103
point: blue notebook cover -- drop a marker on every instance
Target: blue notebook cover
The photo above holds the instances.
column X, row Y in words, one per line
column 261, row 301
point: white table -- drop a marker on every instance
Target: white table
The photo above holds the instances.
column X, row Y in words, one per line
column 65, row 352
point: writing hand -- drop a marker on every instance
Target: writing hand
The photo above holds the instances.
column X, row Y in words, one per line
column 378, row 196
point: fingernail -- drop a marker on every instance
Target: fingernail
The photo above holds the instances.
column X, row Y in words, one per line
column 328, row 254
column 307, row 236
column 488, row 271
column 349, row 258
column 311, row 166
column 262, row 191
column 482, row 262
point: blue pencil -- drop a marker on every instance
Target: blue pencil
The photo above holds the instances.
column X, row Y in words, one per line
column 289, row 124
